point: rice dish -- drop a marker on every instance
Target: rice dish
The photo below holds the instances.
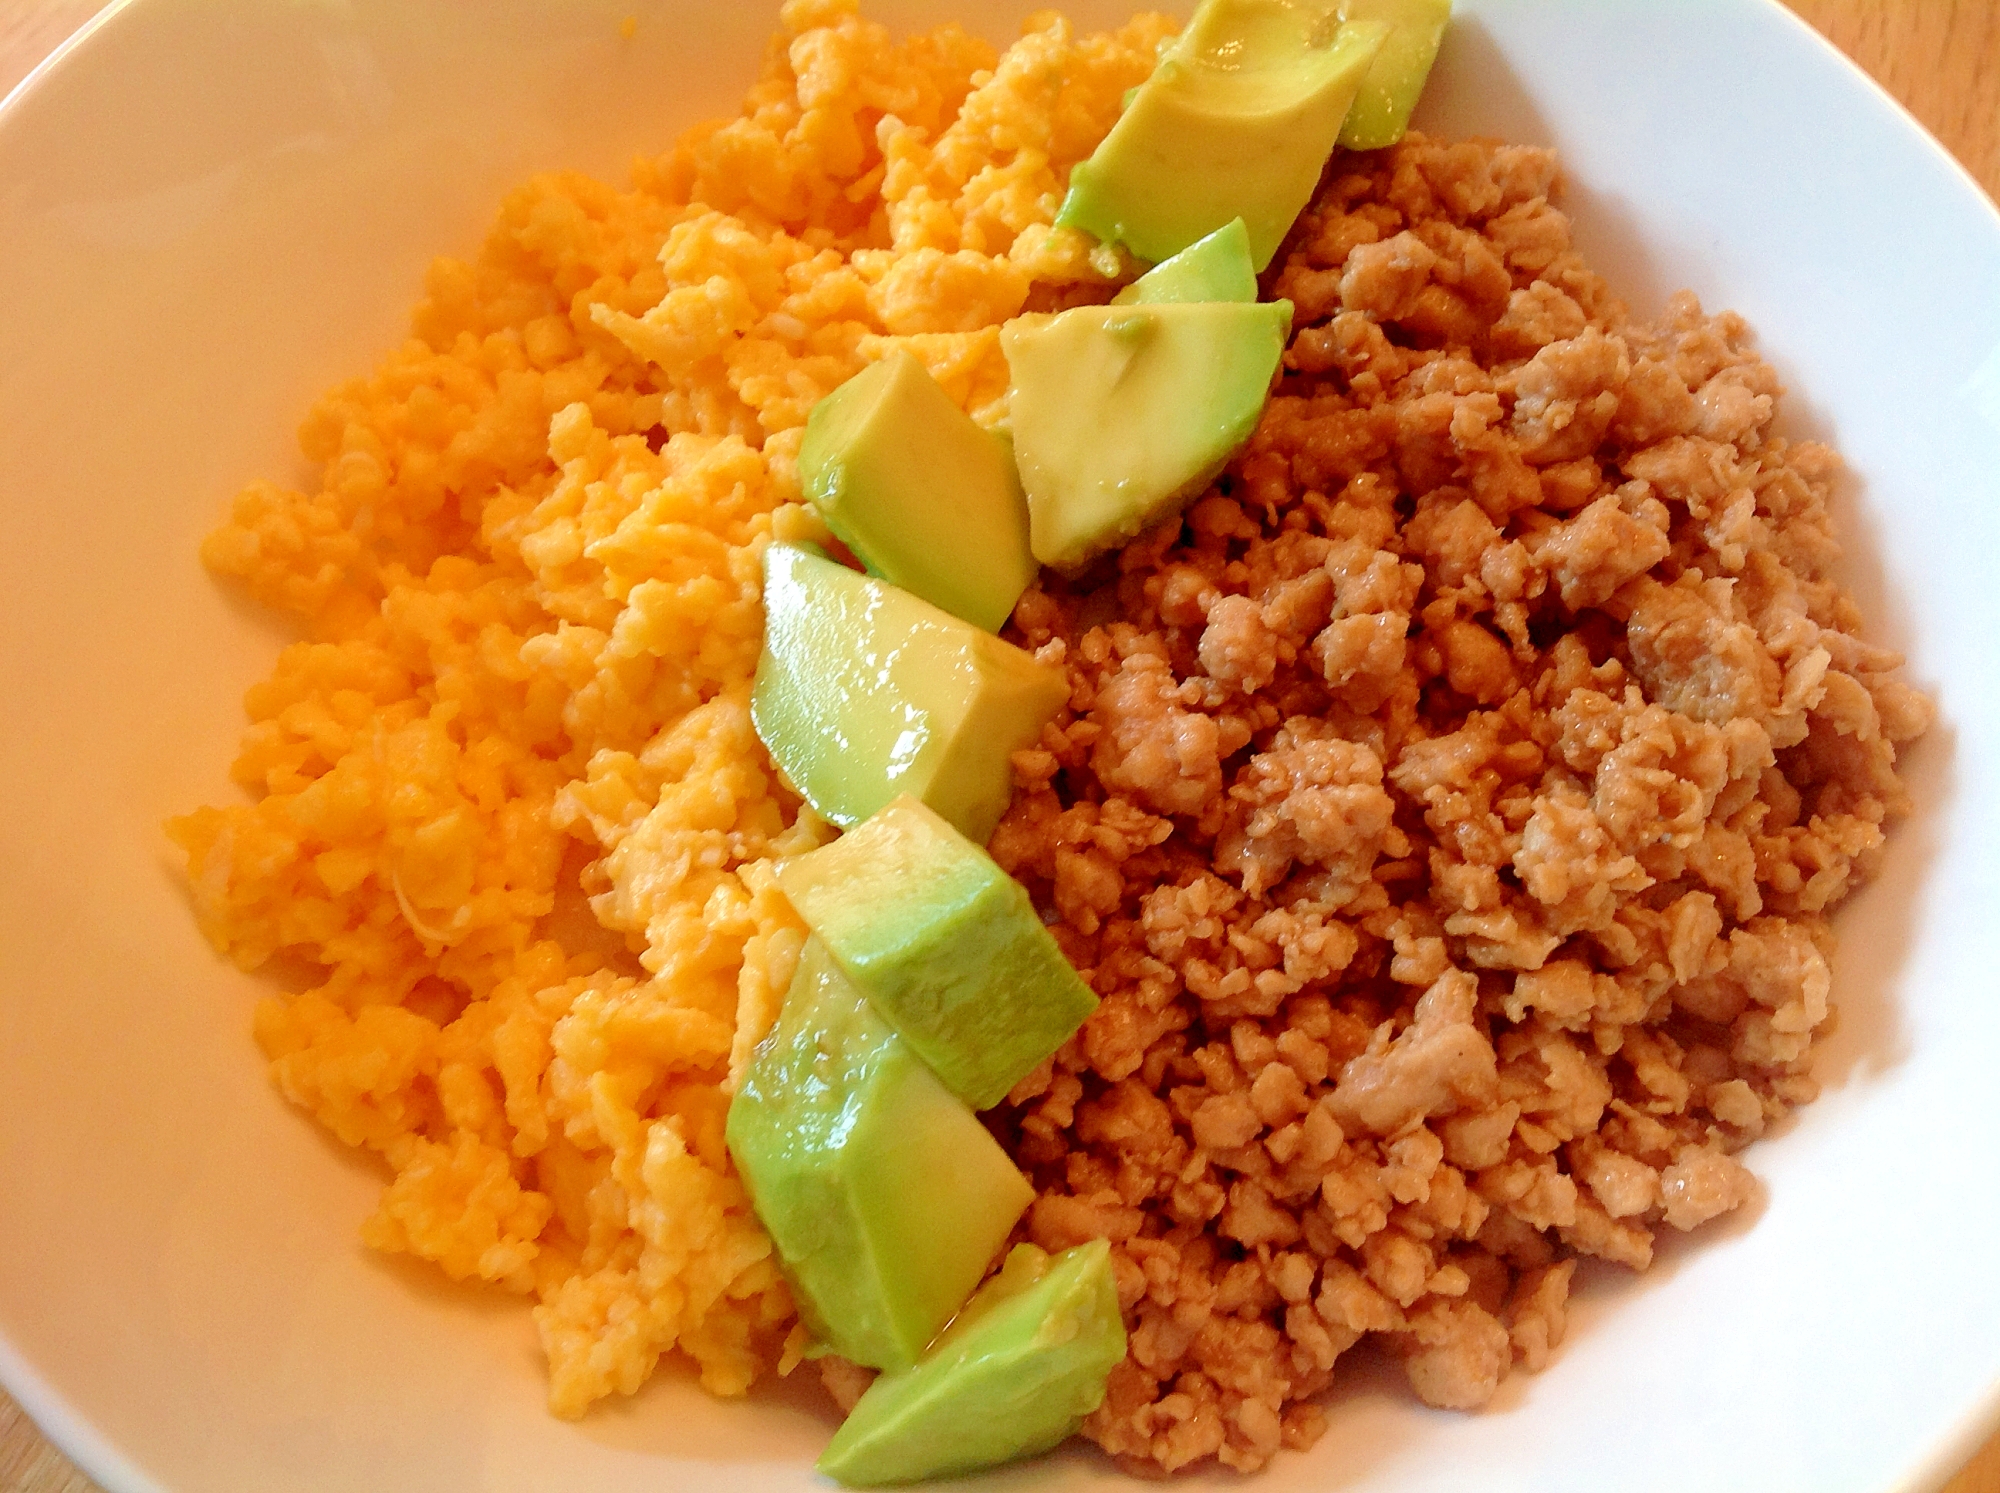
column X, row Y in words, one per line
column 1447, row 813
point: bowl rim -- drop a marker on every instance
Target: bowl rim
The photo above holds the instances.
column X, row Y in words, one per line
column 77, row 1436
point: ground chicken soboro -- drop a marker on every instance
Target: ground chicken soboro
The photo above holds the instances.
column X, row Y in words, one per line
column 1448, row 812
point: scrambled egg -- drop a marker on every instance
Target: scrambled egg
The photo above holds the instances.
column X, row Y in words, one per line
column 507, row 810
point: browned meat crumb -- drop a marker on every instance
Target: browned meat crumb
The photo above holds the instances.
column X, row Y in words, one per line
column 1448, row 814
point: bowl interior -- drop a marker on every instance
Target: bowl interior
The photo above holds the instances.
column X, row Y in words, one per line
column 214, row 211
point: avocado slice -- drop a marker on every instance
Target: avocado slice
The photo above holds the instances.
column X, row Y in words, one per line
column 864, row 691
column 1122, row 414
column 884, row 1195
column 926, row 499
column 1216, row 268
column 1014, row 1374
column 947, row 945
column 1381, row 110
column 1237, row 120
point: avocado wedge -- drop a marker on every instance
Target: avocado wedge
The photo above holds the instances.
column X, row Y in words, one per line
column 885, row 1197
column 1124, row 413
column 1014, row 1374
column 1237, row 120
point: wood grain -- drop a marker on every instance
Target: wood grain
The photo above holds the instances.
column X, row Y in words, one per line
column 1939, row 58
column 28, row 1464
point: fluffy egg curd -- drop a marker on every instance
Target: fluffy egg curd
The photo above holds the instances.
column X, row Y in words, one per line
column 505, row 802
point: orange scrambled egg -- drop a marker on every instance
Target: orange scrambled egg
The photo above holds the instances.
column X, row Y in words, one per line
column 509, row 831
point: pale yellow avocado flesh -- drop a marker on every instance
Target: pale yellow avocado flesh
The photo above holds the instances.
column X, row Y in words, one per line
column 947, row 945
column 926, row 499
column 1382, row 108
column 1123, row 413
column 1237, row 120
column 1015, row 1373
column 1216, row 268
column 884, row 1195
column 864, row 691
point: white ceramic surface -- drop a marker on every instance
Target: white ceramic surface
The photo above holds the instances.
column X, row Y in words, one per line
column 211, row 209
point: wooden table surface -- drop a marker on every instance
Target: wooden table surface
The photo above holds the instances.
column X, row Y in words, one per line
column 1941, row 58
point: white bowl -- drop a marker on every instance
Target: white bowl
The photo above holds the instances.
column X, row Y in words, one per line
column 210, row 211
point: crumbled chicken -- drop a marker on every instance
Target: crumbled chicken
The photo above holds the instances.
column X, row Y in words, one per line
column 1448, row 815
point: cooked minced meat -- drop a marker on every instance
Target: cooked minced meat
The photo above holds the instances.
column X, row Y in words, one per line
column 1448, row 812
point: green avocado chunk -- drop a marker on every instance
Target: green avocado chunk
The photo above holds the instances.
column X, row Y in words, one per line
column 1237, row 120
column 927, row 499
column 1216, row 268
column 1382, row 108
column 1122, row 414
column 1017, row 1372
column 885, row 1196
column 865, row 691
column 947, row 945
